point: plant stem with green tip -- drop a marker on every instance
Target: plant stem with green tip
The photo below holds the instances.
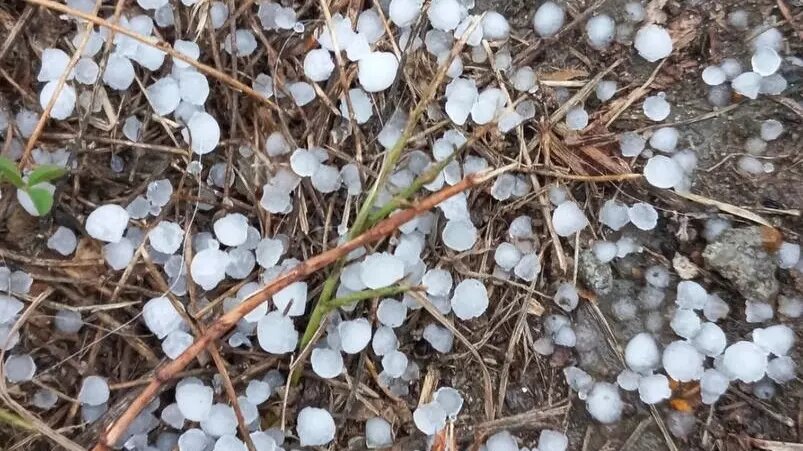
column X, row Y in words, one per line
column 361, row 222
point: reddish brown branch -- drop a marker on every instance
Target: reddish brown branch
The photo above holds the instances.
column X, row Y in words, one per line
column 300, row 272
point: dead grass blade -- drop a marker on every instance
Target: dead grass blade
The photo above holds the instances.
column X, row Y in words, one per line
column 486, row 375
column 726, row 207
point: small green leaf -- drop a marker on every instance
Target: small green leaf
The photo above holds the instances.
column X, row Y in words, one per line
column 45, row 173
column 42, row 200
column 9, row 171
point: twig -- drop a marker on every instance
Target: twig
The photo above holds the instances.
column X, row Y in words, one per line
column 220, row 326
column 726, row 207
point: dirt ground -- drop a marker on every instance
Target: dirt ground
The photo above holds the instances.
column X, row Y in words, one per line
column 528, row 391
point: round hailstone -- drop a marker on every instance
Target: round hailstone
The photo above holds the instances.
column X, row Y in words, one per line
column 747, row 84
column 653, row 42
column 771, row 130
column 193, row 87
column 276, row 333
column 710, row 340
column 403, row 13
column 315, row 427
column 663, row 172
column 384, row 341
column 377, row 70
column 54, row 63
column 788, row 255
column 682, row 361
column 326, row 179
column 354, row 335
column 391, row 312
column 654, row 389
column 548, row 19
column 204, row 133
column 118, row 255
column 566, row 296
column 163, row 96
column 550, row 440
column 523, row 79
column 394, row 363
column 380, row 270
column 242, row 44
column 685, row 323
column 440, row 338
column 304, row 163
column 86, row 71
column 507, row 256
column 777, row 339
column 713, row 384
column 600, row 31
column 318, row 65
column 665, row 139
column 94, row 391
column 604, row 403
column 745, row 361
column 568, row 219
column 189, row 49
column 459, row 235
column 528, row 267
column 642, row 354
column 65, row 102
column 605, row 90
column 765, row 61
column 119, row 72
column 378, row 433
column 326, row 363
column 429, row 418
column 628, row 380
column 691, row 295
column 161, row 317
column 232, row 229
column 302, row 92
column 438, row 282
column 714, row 76
column 614, row 214
column 781, row 369
column 292, row 299
column 20, row 368
column 577, row 118
column 363, row 106
column 194, row 399
column 176, row 343
column 604, row 251
column 501, row 441
column 656, row 108
column 208, row 267
column 62, row 241
column 68, row 321
column 495, row 27
column 107, row 223
column 643, row 216
column 470, row 299
column 166, row 237
column 444, row 15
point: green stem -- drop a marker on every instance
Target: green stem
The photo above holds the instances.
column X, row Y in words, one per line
column 361, row 222
column 13, row 420
column 323, row 309
column 351, row 298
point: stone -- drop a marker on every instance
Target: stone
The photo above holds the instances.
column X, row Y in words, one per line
column 739, row 256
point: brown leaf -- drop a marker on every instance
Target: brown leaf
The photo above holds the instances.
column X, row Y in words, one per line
column 563, row 75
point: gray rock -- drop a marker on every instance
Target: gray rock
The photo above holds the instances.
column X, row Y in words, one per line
column 597, row 276
column 739, row 256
